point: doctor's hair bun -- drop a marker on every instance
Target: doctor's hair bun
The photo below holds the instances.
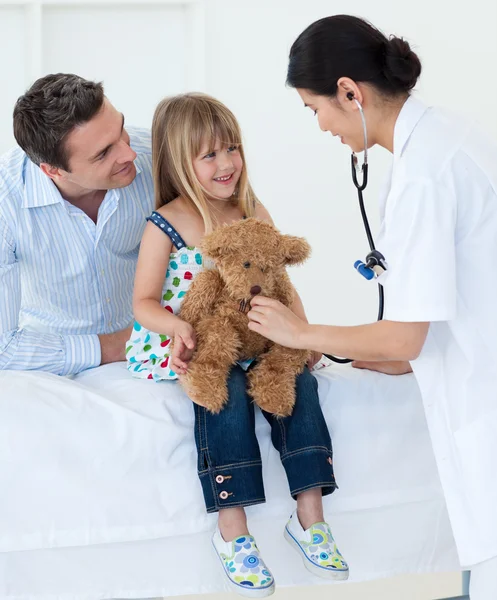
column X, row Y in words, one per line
column 348, row 46
column 402, row 66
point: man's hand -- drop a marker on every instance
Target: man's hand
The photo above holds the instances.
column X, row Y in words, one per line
column 183, row 347
column 390, row 367
column 113, row 345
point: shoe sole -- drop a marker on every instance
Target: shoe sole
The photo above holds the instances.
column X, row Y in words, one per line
column 240, row 589
column 334, row 574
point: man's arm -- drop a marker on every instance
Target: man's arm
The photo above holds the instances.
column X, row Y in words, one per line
column 23, row 350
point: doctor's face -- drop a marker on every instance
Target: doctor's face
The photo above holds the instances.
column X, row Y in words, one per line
column 335, row 115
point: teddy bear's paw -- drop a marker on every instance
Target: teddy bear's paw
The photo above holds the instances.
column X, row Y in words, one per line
column 272, row 392
column 206, row 388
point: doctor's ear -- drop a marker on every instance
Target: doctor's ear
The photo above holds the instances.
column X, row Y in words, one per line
column 347, row 91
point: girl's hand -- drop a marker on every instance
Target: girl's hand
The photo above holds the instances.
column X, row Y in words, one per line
column 183, row 347
column 276, row 322
column 314, row 359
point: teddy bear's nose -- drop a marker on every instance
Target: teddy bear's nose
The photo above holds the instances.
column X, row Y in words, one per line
column 256, row 289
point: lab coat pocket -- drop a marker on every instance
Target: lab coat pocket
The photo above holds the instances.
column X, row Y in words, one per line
column 476, row 445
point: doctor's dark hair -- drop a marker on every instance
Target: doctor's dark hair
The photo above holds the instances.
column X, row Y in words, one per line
column 347, row 46
column 49, row 111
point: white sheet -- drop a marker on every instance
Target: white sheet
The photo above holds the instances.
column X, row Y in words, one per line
column 103, row 499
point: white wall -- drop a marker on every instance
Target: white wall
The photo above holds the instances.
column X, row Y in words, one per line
column 144, row 50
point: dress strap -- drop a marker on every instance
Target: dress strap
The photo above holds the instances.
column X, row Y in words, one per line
column 164, row 225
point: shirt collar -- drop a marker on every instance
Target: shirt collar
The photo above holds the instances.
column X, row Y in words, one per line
column 408, row 118
column 40, row 190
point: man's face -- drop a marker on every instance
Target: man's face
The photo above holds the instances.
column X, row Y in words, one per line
column 100, row 157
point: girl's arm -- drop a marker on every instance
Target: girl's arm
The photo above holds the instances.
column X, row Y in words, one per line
column 153, row 261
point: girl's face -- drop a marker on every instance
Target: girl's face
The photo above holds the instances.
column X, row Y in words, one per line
column 218, row 170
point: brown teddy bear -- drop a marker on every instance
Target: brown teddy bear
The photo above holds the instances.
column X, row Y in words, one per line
column 250, row 257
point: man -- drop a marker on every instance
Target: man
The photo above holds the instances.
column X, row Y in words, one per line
column 73, row 201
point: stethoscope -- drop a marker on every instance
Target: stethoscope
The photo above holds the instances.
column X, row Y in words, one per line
column 375, row 263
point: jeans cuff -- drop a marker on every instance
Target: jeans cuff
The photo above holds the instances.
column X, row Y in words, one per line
column 310, row 468
column 232, row 485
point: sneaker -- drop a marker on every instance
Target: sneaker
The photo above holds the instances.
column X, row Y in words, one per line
column 317, row 548
column 245, row 571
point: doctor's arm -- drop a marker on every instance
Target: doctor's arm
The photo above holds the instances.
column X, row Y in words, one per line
column 380, row 341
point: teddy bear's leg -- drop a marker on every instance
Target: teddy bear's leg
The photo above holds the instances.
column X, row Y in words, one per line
column 272, row 381
column 216, row 352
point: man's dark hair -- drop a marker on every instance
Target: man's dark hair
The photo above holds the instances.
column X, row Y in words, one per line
column 49, row 110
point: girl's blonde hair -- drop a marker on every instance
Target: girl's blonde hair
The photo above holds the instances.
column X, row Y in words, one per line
column 181, row 125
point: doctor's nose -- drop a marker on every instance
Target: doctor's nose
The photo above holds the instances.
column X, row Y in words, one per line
column 323, row 126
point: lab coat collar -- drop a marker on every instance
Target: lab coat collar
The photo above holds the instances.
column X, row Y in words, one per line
column 408, row 118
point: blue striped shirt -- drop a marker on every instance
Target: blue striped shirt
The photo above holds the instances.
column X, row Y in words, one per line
column 65, row 279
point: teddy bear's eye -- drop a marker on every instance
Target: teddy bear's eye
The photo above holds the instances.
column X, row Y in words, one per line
column 246, row 265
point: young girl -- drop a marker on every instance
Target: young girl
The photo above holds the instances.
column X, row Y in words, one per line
column 201, row 183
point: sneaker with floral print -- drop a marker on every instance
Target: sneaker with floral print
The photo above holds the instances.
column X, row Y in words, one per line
column 317, row 548
column 245, row 571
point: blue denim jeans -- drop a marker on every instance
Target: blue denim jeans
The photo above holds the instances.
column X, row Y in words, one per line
column 229, row 460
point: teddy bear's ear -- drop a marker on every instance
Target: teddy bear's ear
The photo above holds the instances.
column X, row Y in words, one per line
column 217, row 242
column 211, row 246
column 295, row 249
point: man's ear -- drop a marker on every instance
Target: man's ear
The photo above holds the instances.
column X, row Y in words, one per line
column 52, row 172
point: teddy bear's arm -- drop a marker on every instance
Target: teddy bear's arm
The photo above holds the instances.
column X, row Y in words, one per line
column 285, row 292
column 201, row 296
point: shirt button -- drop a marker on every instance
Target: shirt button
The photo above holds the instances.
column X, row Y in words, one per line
column 103, row 271
column 223, row 495
column 110, row 323
column 219, row 479
column 108, row 300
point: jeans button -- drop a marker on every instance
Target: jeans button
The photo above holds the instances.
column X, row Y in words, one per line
column 223, row 495
column 219, row 479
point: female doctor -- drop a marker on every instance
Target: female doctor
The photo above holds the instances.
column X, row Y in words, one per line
column 439, row 238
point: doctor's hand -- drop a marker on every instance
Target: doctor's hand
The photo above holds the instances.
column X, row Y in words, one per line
column 389, row 367
column 276, row 322
column 183, row 347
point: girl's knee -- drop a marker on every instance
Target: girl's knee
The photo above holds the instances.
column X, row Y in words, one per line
column 306, row 389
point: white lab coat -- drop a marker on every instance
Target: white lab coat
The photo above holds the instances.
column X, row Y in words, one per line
column 439, row 237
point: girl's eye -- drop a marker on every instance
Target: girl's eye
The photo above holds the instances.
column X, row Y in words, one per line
column 246, row 265
column 232, row 148
column 210, row 155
